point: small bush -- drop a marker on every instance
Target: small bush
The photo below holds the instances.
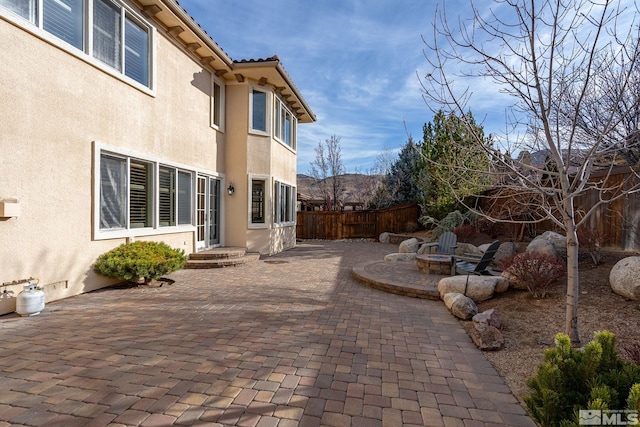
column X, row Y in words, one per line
column 148, row 260
column 590, row 378
column 538, row 271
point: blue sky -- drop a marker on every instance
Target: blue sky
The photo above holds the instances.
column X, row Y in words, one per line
column 355, row 62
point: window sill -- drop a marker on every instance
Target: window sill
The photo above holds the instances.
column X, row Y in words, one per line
column 140, row 232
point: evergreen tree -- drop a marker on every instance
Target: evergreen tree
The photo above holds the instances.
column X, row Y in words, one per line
column 400, row 184
column 455, row 163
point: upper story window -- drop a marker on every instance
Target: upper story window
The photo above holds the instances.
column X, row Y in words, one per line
column 284, row 124
column 217, row 104
column 258, row 110
column 111, row 33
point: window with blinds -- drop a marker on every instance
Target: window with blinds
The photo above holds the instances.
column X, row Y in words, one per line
column 121, row 40
column 136, row 51
column 132, row 196
column 140, row 194
column 185, row 198
column 113, row 195
column 65, row 20
column 23, row 8
column 166, row 196
column 107, row 31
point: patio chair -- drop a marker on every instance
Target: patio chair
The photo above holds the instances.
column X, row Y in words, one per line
column 446, row 244
column 468, row 265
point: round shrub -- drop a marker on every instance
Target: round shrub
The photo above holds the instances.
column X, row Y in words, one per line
column 132, row 261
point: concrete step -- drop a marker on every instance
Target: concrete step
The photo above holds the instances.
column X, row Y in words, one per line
column 220, row 257
column 219, row 253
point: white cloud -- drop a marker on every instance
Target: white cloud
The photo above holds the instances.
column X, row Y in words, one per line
column 356, row 63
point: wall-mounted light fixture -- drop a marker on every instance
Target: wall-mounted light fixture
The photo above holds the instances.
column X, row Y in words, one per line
column 230, row 189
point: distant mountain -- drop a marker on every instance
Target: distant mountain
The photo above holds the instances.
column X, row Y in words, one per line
column 358, row 188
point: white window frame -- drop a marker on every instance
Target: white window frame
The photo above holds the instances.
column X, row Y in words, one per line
column 101, row 234
column 280, row 113
column 268, row 113
column 267, row 201
column 175, row 197
column 218, row 102
column 279, row 187
column 35, row 28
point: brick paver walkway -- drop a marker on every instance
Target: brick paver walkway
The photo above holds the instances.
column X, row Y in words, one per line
column 289, row 340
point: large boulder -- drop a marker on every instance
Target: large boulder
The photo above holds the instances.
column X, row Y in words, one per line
column 396, row 257
column 557, row 241
column 505, row 250
column 478, row 288
column 468, row 249
column 624, row 278
column 409, row 246
column 460, row 306
column 542, row 246
column 384, row 237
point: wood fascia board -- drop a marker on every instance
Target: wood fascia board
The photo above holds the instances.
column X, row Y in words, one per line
column 188, row 24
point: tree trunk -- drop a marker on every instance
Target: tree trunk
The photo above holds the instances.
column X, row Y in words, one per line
column 573, row 282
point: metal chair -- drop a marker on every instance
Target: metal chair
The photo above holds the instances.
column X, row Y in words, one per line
column 476, row 265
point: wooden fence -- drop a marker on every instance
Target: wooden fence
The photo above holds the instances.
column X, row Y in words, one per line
column 619, row 221
column 333, row 225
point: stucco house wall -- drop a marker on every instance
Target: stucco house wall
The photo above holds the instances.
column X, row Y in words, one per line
column 61, row 109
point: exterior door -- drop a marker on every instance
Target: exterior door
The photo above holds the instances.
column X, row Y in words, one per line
column 207, row 212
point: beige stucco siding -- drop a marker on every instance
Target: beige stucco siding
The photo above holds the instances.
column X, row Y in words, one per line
column 53, row 107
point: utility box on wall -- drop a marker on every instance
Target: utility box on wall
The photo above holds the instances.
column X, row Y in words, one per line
column 9, row 208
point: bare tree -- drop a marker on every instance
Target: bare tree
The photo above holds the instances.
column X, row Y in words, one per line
column 328, row 169
column 549, row 58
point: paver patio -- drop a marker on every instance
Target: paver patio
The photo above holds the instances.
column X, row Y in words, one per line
column 289, row 340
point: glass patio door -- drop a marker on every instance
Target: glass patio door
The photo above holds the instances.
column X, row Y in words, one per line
column 207, row 212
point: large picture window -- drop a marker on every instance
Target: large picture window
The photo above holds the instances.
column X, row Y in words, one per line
column 117, row 37
column 134, row 196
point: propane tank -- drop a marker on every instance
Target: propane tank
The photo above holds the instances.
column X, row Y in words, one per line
column 30, row 301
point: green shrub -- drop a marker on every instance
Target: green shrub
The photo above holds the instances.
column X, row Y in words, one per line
column 132, row 261
column 591, row 378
